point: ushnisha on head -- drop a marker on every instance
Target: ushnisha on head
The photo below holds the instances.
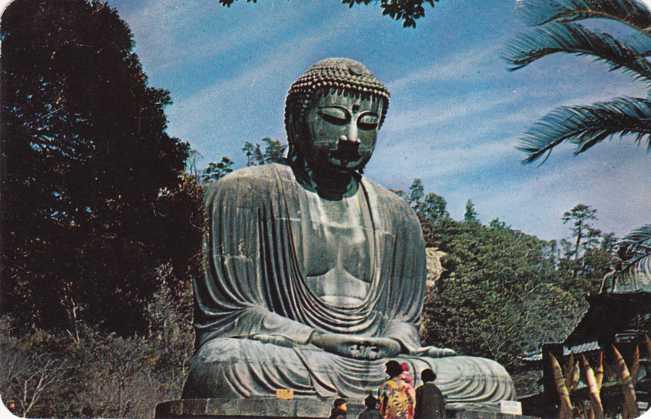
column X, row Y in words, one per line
column 333, row 113
column 342, row 74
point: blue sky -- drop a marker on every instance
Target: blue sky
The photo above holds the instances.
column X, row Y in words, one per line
column 455, row 115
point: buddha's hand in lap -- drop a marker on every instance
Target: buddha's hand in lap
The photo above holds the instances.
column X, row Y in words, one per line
column 275, row 340
column 359, row 347
column 434, row 352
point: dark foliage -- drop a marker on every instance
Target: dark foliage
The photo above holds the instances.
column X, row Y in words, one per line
column 270, row 151
column 539, row 12
column 215, row 171
column 576, row 39
column 92, row 195
column 494, row 298
column 407, row 11
column 587, row 126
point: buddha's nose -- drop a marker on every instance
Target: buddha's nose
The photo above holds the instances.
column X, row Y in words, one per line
column 351, row 136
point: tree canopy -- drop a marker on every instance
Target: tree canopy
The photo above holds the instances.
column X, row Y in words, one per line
column 92, row 194
column 503, row 292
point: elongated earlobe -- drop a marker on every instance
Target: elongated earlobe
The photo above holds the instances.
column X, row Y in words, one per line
column 293, row 138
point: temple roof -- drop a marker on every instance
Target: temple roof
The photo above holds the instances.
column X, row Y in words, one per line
column 536, row 356
column 609, row 317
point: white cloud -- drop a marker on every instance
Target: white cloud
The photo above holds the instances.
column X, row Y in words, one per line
column 463, row 65
column 4, row 4
column 436, row 162
column 170, row 33
column 443, row 111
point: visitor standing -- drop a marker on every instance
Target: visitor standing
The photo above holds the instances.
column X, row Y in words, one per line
column 430, row 402
column 339, row 409
column 398, row 396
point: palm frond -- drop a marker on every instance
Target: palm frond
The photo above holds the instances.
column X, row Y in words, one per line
column 639, row 42
column 586, row 126
column 576, row 39
column 630, row 12
column 634, row 251
column 636, row 242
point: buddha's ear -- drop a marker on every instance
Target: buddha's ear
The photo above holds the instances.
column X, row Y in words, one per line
column 291, row 126
column 293, row 139
column 382, row 110
column 295, row 128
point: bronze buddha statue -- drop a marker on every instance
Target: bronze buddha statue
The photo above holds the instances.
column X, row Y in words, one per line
column 314, row 275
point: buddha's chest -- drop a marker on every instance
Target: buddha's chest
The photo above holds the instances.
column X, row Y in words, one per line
column 334, row 244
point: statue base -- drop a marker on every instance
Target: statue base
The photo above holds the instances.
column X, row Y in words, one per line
column 244, row 408
column 296, row 408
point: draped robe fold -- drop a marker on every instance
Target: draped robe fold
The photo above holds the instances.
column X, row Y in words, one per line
column 253, row 285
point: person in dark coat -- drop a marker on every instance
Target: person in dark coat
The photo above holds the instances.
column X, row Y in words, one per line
column 430, row 402
column 371, row 411
column 339, row 409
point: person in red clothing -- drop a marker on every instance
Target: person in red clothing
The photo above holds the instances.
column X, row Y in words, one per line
column 405, row 374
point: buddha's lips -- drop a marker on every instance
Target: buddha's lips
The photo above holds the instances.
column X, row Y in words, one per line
column 346, row 150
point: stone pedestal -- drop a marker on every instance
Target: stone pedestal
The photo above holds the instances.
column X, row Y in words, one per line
column 243, row 408
column 297, row 408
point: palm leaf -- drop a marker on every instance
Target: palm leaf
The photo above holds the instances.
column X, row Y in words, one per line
column 639, row 42
column 576, row 39
column 586, row 126
column 636, row 243
column 540, row 12
column 632, row 272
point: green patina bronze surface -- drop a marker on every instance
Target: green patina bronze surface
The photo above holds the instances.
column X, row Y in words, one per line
column 314, row 275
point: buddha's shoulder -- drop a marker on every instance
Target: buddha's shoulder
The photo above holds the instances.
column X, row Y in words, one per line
column 250, row 180
column 390, row 199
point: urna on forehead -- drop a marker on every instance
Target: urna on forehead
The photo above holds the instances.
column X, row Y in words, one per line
column 342, row 74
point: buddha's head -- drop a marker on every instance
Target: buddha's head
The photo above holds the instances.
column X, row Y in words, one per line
column 333, row 114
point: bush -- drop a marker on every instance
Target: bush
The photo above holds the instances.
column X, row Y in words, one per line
column 88, row 372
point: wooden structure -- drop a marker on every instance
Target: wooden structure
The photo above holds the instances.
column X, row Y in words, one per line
column 602, row 369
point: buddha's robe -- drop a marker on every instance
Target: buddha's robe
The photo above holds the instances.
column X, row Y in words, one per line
column 264, row 229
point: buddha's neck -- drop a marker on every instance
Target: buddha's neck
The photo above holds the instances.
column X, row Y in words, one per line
column 328, row 183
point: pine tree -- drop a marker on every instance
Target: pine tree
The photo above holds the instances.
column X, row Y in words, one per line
column 471, row 215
